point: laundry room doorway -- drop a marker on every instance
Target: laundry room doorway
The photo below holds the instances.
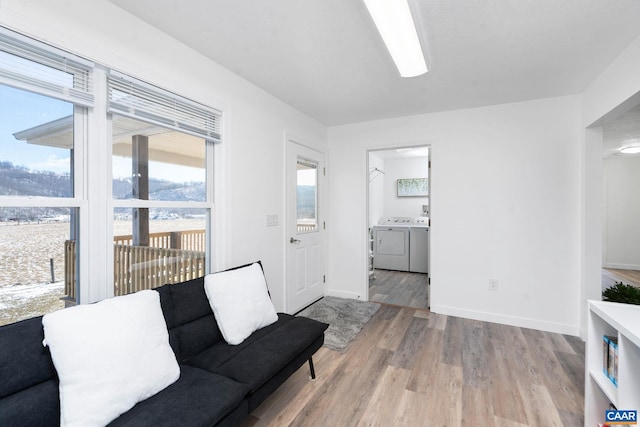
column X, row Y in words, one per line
column 398, row 222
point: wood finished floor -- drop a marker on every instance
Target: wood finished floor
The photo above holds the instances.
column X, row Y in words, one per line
column 612, row 275
column 399, row 288
column 410, row 367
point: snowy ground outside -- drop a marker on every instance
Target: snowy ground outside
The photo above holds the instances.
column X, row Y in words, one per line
column 25, row 272
column 19, row 302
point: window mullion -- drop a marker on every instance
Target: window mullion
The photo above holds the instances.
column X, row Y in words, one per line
column 97, row 254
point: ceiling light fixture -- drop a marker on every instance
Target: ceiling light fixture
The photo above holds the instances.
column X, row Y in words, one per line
column 631, row 149
column 395, row 25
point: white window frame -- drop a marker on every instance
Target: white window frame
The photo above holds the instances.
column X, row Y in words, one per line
column 37, row 52
column 144, row 94
column 92, row 167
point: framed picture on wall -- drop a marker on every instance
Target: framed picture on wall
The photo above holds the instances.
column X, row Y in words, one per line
column 413, row 187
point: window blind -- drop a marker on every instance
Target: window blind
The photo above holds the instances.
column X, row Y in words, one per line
column 34, row 66
column 142, row 101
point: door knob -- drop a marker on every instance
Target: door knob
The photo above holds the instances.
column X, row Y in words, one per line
column 293, row 241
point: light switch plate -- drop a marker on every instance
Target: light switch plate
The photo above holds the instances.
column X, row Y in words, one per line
column 271, row 220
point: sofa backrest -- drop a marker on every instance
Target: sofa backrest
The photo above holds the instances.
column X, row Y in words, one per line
column 190, row 321
column 29, row 388
column 28, row 380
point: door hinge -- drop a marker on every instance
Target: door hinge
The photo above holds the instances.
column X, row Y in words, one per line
column 324, row 279
column 324, row 171
column 429, row 280
column 324, row 225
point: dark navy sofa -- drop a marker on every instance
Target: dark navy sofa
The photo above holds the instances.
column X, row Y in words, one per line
column 219, row 384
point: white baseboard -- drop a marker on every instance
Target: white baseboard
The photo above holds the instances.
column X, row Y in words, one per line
column 343, row 294
column 521, row 322
column 622, row 266
column 583, row 334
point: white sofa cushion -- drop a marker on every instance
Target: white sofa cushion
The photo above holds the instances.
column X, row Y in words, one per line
column 109, row 356
column 240, row 302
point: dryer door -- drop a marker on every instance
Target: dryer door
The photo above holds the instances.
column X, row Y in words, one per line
column 391, row 251
column 391, row 242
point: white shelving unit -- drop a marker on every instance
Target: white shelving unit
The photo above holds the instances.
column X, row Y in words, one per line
column 621, row 321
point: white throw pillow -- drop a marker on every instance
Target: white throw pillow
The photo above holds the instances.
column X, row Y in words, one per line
column 240, row 301
column 109, row 356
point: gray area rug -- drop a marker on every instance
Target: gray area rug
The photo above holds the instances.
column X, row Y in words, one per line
column 345, row 317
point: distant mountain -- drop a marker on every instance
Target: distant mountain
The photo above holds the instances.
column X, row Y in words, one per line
column 163, row 190
column 20, row 181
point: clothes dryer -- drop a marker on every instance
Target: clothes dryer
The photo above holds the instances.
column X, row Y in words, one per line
column 391, row 244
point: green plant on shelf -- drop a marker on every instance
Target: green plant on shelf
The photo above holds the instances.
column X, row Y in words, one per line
column 620, row 292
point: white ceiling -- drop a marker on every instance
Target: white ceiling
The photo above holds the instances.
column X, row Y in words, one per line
column 326, row 58
column 402, row 153
column 622, row 131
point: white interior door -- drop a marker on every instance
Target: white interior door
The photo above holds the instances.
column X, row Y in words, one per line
column 304, row 225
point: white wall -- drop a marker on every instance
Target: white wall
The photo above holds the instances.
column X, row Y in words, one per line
column 255, row 122
column 376, row 189
column 612, row 91
column 383, row 197
column 505, row 205
column 621, row 243
column 415, row 167
column 619, row 82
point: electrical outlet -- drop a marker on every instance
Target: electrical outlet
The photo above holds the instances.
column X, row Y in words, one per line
column 493, row 285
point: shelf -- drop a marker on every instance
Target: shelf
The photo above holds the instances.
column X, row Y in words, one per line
column 605, row 384
column 623, row 322
column 625, row 318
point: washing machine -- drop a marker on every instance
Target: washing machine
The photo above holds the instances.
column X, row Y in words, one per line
column 419, row 245
column 391, row 244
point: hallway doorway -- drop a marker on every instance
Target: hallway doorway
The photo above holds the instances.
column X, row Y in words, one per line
column 398, row 221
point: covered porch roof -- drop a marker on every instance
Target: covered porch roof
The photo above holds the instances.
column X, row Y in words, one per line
column 165, row 145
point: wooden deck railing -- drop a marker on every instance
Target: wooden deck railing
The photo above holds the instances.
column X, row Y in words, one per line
column 306, row 227
column 137, row 267
column 193, row 240
column 70, row 270
column 171, row 257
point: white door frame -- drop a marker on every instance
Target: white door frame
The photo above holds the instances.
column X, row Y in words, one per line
column 431, row 144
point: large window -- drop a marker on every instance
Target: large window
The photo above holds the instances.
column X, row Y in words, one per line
column 96, row 199
column 43, row 107
column 162, row 148
column 160, row 176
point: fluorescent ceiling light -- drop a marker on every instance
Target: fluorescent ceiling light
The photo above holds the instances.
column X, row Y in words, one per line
column 631, row 149
column 395, row 25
